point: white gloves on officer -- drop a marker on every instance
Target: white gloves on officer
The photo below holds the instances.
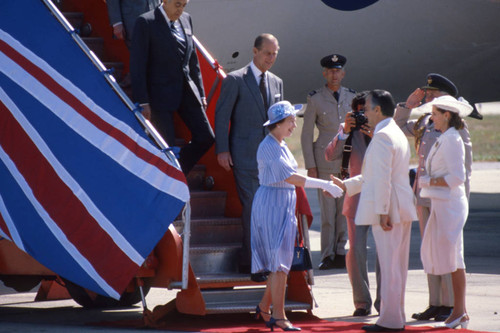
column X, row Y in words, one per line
column 424, row 181
column 326, row 185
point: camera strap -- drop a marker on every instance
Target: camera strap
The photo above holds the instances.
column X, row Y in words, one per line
column 346, row 154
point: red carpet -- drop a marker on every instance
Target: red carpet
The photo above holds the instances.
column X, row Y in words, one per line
column 245, row 323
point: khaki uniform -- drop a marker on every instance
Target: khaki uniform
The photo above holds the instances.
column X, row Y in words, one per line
column 324, row 112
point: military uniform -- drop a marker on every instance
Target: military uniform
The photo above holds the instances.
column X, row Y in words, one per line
column 326, row 113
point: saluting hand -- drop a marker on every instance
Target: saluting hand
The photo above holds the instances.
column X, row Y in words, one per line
column 415, row 98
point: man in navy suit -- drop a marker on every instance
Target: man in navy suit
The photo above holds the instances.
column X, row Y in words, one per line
column 244, row 99
column 166, row 77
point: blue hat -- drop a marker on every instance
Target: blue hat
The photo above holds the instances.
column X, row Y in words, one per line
column 333, row 61
column 280, row 111
column 441, row 83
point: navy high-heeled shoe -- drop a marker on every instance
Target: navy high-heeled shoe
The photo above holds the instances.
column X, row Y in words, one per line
column 259, row 313
column 274, row 322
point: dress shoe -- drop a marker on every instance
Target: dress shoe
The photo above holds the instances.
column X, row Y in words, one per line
column 377, row 328
column 444, row 313
column 339, row 261
column 362, row 312
column 429, row 313
column 326, row 263
column 462, row 321
column 274, row 322
column 259, row 277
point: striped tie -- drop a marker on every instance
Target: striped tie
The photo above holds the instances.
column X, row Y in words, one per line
column 181, row 42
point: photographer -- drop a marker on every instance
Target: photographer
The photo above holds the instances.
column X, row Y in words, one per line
column 350, row 145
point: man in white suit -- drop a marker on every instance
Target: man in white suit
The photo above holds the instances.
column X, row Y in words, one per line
column 387, row 204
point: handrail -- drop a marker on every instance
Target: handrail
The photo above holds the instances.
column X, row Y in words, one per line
column 149, row 128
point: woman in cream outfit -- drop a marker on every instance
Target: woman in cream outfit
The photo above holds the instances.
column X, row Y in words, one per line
column 442, row 244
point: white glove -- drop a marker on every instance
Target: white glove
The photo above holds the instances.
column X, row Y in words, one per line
column 326, row 185
column 424, row 181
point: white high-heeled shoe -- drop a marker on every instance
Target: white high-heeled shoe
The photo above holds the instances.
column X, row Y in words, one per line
column 457, row 322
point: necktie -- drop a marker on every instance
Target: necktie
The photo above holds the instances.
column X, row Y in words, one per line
column 263, row 89
column 181, row 43
column 336, row 95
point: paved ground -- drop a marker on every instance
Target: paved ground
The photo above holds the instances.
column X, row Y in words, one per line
column 18, row 312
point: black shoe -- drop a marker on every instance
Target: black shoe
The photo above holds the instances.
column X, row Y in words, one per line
column 325, row 264
column 362, row 312
column 339, row 261
column 377, row 328
column 444, row 313
column 259, row 277
column 429, row 313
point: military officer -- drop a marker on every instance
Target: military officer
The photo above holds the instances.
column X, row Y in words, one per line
column 326, row 109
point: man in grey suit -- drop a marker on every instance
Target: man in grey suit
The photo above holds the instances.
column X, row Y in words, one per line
column 123, row 13
column 326, row 109
column 240, row 112
column 166, row 78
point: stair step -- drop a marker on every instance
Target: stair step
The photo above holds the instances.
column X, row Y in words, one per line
column 241, row 300
column 208, row 203
column 96, row 44
column 196, row 178
column 204, row 231
column 74, row 18
column 214, row 259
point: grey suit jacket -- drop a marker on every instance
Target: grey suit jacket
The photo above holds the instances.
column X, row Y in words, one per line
column 240, row 104
column 127, row 11
column 156, row 67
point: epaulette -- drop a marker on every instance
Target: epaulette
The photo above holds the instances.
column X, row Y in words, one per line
column 351, row 90
column 312, row 93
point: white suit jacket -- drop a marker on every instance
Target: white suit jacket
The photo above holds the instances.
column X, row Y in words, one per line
column 384, row 183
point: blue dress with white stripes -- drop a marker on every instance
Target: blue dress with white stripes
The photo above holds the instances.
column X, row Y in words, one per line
column 274, row 225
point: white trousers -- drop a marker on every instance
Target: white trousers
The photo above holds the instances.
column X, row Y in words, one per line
column 393, row 249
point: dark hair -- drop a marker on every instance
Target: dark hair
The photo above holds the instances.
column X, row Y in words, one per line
column 455, row 120
column 273, row 126
column 359, row 99
column 260, row 40
column 384, row 99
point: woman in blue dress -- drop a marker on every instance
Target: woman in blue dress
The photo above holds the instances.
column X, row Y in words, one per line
column 274, row 225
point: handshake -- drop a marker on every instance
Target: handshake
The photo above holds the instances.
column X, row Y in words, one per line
column 325, row 185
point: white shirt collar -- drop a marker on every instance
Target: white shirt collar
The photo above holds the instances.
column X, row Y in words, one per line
column 256, row 72
column 176, row 23
column 381, row 124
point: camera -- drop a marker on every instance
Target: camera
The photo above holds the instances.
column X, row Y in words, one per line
column 360, row 119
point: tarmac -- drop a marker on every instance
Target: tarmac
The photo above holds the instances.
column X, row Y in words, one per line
column 332, row 290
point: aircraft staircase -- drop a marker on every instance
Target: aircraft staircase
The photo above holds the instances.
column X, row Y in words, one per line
column 215, row 239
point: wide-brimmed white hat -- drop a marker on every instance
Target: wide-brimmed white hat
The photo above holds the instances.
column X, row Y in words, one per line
column 449, row 103
column 281, row 110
